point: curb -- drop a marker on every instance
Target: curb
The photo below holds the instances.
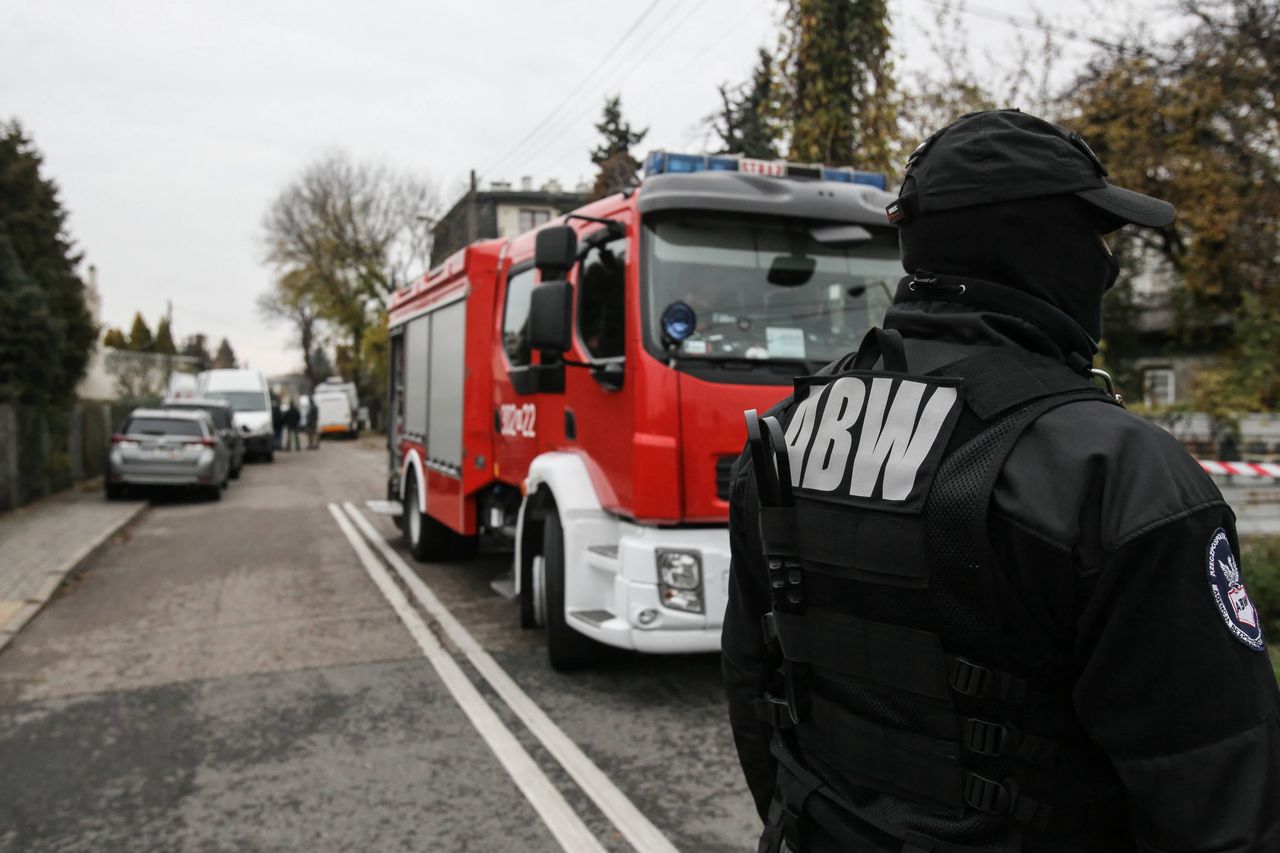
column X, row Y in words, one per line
column 31, row 606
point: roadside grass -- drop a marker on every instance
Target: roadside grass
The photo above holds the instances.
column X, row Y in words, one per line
column 1260, row 566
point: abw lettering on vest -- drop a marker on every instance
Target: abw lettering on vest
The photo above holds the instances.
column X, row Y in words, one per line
column 869, row 439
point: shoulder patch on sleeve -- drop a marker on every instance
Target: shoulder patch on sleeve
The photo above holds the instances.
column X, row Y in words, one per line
column 1229, row 594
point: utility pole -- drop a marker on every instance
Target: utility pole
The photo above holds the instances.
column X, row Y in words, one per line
column 471, row 210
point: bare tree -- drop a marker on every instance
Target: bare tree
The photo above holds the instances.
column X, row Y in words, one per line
column 294, row 300
column 1020, row 76
column 359, row 229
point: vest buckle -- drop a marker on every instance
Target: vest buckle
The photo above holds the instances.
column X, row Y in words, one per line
column 992, row 797
column 776, row 711
column 985, row 738
column 986, row 795
column 769, row 627
column 970, row 679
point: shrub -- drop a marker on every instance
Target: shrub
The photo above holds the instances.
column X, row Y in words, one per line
column 1260, row 568
column 1260, row 565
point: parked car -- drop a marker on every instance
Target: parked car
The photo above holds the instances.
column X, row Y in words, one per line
column 248, row 394
column 168, row 447
column 223, row 417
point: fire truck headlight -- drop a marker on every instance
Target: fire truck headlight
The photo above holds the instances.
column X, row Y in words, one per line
column 680, row 580
column 680, row 569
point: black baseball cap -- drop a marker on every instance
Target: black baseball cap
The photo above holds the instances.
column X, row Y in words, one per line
column 1007, row 155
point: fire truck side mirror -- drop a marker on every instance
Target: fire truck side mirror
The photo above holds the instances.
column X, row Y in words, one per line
column 555, row 251
column 551, row 316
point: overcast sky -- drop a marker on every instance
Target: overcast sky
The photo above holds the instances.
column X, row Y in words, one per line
column 170, row 126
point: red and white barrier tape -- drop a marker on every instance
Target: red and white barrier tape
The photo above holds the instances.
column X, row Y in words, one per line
column 1243, row 469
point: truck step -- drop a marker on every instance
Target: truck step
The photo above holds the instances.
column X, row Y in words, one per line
column 385, row 507
column 504, row 584
column 594, row 617
column 603, row 558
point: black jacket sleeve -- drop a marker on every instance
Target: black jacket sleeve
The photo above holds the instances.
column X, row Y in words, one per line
column 1188, row 713
column 743, row 653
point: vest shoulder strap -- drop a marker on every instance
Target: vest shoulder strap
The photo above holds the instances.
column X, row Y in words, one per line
column 1003, row 379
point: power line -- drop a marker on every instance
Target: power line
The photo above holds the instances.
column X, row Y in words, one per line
column 609, row 54
column 614, row 77
column 620, row 79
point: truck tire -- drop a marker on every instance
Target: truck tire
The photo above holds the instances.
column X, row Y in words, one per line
column 429, row 540
column 528, row 594
column 566, row 648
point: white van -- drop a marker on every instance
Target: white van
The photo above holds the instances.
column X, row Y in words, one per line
column 249, row 396
column 335, row 403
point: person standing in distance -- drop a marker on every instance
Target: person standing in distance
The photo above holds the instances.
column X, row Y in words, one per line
column 292, row 421
column 975, row 605
column 313, row 424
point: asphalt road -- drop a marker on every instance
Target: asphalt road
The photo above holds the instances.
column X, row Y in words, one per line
column 229, row 676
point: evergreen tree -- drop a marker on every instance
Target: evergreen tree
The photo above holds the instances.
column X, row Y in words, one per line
column 226, row 357
column 164, row 339
column 748, row 122
column 197, row 346
column 618, row 168
column 840, row 83
column 140, row 339
column 26, row 329
column 115, row 339
column 38, row 275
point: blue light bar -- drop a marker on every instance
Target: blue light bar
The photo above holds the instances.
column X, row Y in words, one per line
column 853, row 176
column 671, row 163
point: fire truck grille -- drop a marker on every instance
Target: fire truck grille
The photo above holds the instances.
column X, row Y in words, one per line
column 723, row 464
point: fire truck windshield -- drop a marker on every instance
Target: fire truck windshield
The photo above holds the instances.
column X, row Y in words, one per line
column 766, row 288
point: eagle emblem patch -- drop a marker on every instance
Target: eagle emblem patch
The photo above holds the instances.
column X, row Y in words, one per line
column 1230, row 595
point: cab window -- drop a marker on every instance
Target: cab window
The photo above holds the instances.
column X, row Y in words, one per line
column 601, row 298
column 515, row 317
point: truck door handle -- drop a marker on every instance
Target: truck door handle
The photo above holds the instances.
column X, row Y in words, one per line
column 497, row 420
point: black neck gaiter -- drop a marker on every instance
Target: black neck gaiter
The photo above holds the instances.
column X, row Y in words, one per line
column 1047, row 247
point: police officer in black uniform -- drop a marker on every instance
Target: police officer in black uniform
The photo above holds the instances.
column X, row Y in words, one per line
column 975, row 604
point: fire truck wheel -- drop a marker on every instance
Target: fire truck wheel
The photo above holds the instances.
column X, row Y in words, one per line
column 532, row 598
column 566, row 648
column 429, row 540
column 415, row 522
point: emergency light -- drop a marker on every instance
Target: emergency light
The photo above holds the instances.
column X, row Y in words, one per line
column 672, row 163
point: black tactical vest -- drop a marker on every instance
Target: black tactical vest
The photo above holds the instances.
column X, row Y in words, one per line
column 903, row 719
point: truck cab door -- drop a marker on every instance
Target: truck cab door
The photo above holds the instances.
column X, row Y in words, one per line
column 515, row 398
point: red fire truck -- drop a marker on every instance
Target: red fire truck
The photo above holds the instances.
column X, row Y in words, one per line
column 578, row 390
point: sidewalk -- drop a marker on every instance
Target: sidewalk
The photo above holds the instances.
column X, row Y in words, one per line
column 41, row 543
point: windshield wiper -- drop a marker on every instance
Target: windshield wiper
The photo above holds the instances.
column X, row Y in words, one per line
column 737, row 362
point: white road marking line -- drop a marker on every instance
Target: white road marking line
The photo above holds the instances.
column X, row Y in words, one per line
column 631, row 822
column 560, row 818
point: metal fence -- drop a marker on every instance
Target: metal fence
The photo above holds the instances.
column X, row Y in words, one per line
column 44, row 450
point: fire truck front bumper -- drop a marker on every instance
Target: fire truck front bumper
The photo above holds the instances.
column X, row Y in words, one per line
column 667, row 590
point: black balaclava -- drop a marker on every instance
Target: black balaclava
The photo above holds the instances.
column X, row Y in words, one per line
column 1049, row 247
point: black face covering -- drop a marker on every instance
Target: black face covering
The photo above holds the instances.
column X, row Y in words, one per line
column 1047, row 247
